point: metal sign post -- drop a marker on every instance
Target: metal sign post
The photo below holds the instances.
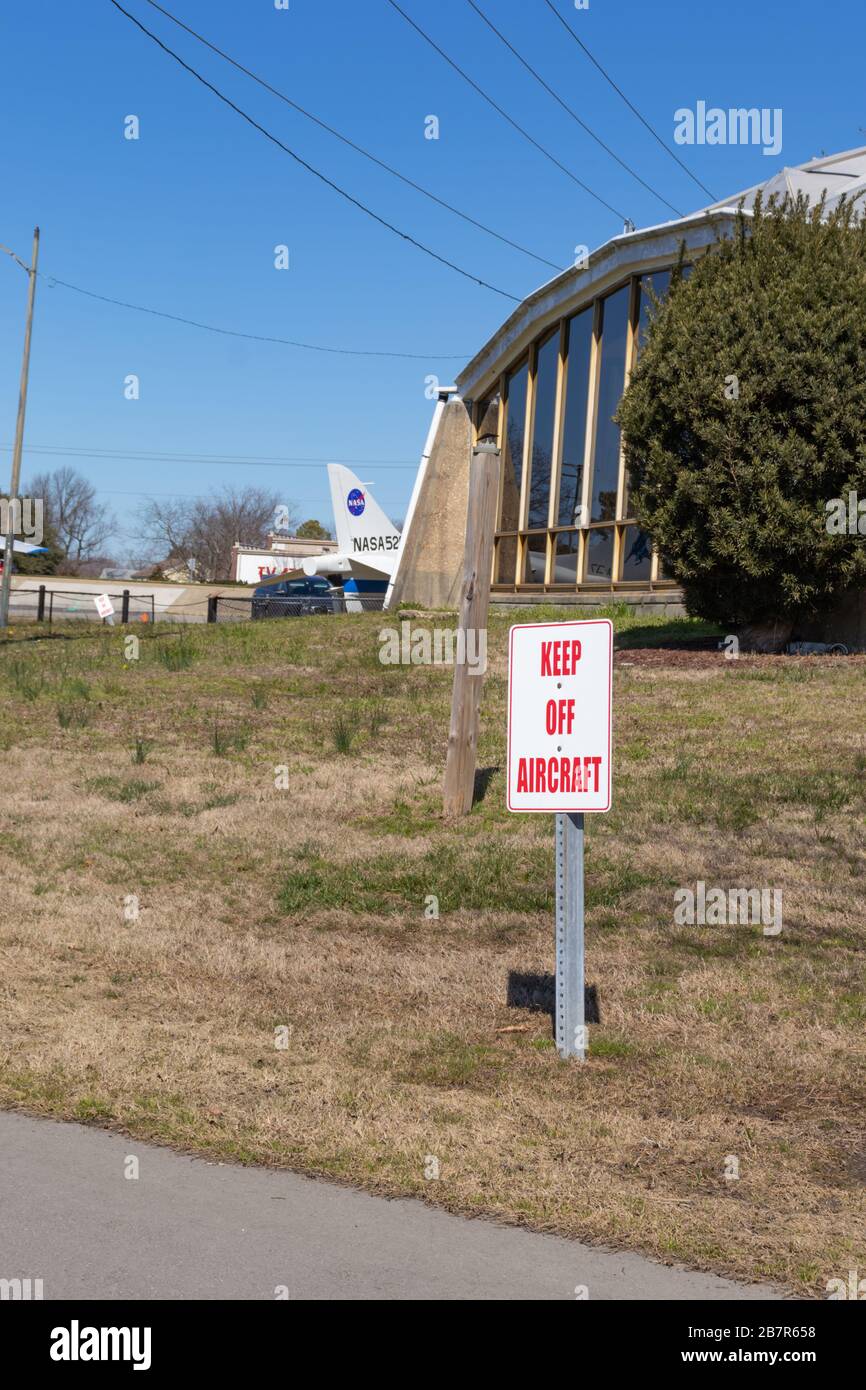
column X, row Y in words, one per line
column 570, row 970
column 560, row 746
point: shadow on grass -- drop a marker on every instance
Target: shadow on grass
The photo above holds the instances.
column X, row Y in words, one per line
column 683, row 634
column 538, row 994
column 483, row 777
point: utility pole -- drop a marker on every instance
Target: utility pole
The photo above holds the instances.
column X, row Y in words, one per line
column 6, row 581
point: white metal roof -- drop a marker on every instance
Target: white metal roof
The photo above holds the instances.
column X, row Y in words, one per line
column 835, row 175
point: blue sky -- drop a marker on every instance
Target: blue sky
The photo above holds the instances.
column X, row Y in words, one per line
column 186, row 219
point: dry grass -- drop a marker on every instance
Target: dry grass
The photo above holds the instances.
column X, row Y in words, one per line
column 304, row 909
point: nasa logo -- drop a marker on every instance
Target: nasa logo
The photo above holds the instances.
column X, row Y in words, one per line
column 355, row 501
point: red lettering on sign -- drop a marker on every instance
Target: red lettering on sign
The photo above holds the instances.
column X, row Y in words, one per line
column 560, row 658
column 558, row 774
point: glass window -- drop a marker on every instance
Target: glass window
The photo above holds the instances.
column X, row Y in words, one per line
column 565, row 555
column 574, row 434
column 506, row 560
column 658, row 285
column 636, row 554
column 535, row 556
column 547, row 362
column 512, row 469
column 488, row 417
column 599, row 564
column 614, row 336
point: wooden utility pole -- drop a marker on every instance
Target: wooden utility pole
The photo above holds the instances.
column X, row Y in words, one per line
column 6, row 581
column 474, row 607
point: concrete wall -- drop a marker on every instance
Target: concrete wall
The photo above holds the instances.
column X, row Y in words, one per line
column 663, row 604
column 432, row 561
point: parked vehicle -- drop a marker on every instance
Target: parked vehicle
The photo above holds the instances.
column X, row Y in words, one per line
column 292, row 598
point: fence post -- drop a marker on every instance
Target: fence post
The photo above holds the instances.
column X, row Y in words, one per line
column 212, row 601
column 124, row 607
column 40, row 607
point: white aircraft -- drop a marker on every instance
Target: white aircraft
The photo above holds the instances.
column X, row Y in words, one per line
column 368, row 542
column 20, row 548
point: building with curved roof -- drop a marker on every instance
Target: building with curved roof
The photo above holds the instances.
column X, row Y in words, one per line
column 546, row 386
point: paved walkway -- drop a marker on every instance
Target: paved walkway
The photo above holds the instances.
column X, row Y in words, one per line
column 190, row 1229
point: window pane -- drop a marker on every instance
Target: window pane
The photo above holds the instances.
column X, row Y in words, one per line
column 565, row 557
column 658, row 285
column 513, row 453
column 599, row 565
column 611, row 383
column 576, row 397
column 535, row 554
column 637, row 554
column 542, row 435
column 488, row 417
column 506, row 559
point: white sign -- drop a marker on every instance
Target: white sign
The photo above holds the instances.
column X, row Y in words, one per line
column 560, row 716
column 104, row 606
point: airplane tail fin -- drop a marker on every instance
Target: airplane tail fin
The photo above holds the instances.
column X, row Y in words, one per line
column 363, row 530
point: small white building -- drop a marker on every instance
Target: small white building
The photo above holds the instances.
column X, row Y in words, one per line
column 253, row 565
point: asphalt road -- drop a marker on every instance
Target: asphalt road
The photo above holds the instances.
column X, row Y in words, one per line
column 188, row 1229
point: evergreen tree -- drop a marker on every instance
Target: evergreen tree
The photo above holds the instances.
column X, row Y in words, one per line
column 746, row 416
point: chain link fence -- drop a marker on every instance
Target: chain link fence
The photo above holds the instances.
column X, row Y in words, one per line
column 44, row 605
column 230, row 609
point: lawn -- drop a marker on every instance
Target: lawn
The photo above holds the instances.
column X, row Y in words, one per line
column 222, row 863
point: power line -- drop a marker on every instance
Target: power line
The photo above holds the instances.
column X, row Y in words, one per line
column 101, row 455
column 467, row 275
column 607, row 77
column 191, row 496
column 564, row 104
column 252, row 337
column 525, row 133
column 542, row 260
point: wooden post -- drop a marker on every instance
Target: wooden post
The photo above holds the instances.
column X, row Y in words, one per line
column 472, row 618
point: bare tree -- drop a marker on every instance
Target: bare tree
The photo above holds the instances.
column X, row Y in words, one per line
column 80, row 524
column 204, row 529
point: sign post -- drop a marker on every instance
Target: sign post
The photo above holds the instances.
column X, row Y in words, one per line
column 560, row 682
column 570, row 971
